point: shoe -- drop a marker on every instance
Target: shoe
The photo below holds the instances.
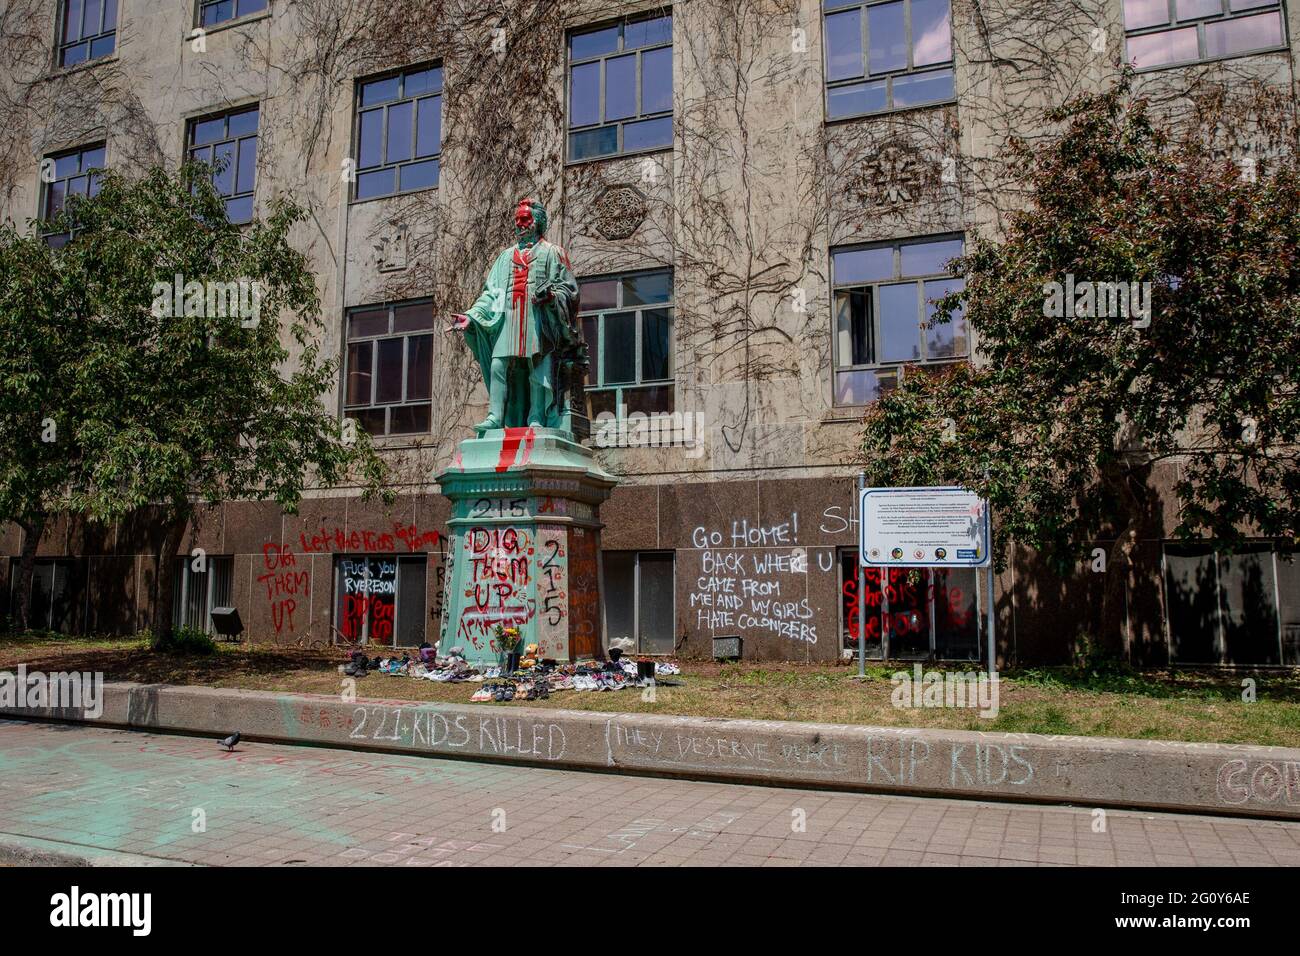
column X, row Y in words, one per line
column 481, row 695
column 488, row 423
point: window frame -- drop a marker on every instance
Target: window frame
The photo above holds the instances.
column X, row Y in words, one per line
column 192, row 125
column 637, row 555
column 887, row 75
column 391, row 308
column 896, row 278
column 92, row 180
column 235, row 17
column 61, row 46
column 185, row 575
column 365, row 637
column 358, row 110
column 601, row 58
column 596, row 375
column 1225, row 14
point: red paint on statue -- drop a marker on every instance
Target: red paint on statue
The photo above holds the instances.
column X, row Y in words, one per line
column 510, row 445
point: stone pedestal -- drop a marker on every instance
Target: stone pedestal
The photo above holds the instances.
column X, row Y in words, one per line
column 524, row 545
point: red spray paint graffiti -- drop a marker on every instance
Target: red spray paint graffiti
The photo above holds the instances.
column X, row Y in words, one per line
column 284, row 583
column 499, row 575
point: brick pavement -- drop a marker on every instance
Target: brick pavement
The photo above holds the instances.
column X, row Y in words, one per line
column 265, row 804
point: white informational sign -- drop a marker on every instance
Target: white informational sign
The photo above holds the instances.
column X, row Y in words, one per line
column 923, row 528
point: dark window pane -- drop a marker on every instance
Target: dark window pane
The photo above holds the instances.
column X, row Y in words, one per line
column 856, row 99
column 593, row 142
column 594, row 43
column 648, row 33
column 400, row 129
column 240, row 210
column 110, row 14
column 77, row 186
column 209, row 131
column 370, row 419
column 370, row 136
column 102, row 47
column 647, row 289
column 948, row 340
column 1191, row 590
column 367, row 323
column 419, row 175
column 422, row 81
column 929, row 258
column 412, row 578
column 657, row 80
column 1168, row 46
column 75, row 54
column 658, row 398
column 655, row 603
column 428, row 132
column 598, row 294
column 413, row 318
column 853, row 327
column 887, row 39
column 94, row 184
column 419, row 367
column 602, row 401
column 844, row 45
column 54, row 197
column 379, row 91
column 620, row 597
column 899, row 320
column 242, row 124
column 201, row 154
column 247, row 165
column 852, row 266
column 358, row 384
column 214, row 13
column 620, row 87
column 956, row 620
column 648, row 134
column 378, row 183
column 931, row 32
column 247, row 7
column 1228, row 37
column 1248, row 594
column 920, row 88
column 836, row 4
column 410, row 419
column 90, row 21
column 620, row 348
column 1145, row 13
column 656, row 344
column 388, row 371
column 224, row 163
column 589, row 333
column 1288, row 589
column 72, row 21
column 584, row 94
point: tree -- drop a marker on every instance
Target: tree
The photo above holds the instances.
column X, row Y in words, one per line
column 1084, row 385
column 181, row 387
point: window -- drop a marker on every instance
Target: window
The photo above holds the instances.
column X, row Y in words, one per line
column 380, row 598
column 639, row 603
column 399, row 133
column 196, row 593
column 388, row 372
column 228, row 143
column 54, row 596
column 933, row 612
column 627, row 322
column 1241, row 608
column 883, row 299
column 621, row 88
column 69, row 175
column 886, row 56
column 1166, row 32
column 219, row 11
column 87, row 30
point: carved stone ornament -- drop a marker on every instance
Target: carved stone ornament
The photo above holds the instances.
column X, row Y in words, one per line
column 391, row 248
column 895, row 174
column 619, row 212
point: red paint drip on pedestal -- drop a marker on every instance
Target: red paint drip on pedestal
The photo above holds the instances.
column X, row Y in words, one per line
column 510, row 447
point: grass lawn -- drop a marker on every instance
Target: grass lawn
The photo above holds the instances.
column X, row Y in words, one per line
column 1195, row 707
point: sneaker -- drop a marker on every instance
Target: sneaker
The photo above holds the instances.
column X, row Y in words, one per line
column 481, row 695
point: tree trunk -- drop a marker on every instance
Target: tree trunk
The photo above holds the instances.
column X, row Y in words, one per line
column 164, row 580
column 22, row 609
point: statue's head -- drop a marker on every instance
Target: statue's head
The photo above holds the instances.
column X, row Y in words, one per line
column 530, row 219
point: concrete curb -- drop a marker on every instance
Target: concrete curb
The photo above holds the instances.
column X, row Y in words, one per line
column 1088, row 771
column 16, row 850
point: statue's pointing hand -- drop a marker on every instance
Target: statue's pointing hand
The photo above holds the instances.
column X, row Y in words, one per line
column 459, row 322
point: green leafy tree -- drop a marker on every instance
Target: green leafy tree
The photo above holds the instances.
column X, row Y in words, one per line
column 1065, row 416
column 195, row 372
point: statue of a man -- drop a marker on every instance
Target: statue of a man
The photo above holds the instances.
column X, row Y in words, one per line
column 525, row 314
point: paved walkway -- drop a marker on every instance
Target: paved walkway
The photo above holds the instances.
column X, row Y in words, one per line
column 266, row 804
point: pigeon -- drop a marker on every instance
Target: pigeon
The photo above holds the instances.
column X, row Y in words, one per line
column 229, row 742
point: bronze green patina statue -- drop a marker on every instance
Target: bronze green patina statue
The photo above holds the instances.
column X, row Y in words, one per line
column 523, row 330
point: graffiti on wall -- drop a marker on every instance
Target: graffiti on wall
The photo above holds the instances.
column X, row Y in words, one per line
column 369, row 599
column 552, row 593
column 285, row 584
column 753, row 580
column 497, row 583
column 410, row 538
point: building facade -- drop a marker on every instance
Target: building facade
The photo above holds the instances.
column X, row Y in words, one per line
column 759, row 198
